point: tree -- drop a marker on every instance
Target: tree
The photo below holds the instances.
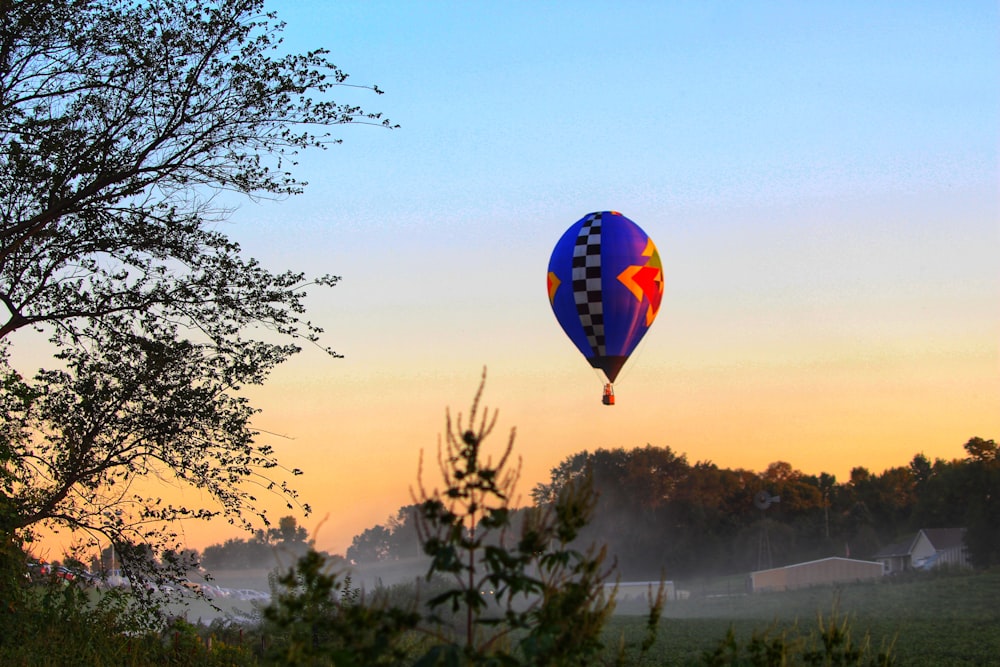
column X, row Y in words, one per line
column 404, row 542
column 125, row 126
column 266, row 548
column 289, row 531
column 982, row 451
column 963, row 493
column 370, row 546
column 396, row 539
column 982, row 473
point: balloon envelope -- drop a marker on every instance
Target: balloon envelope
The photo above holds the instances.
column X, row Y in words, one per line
column 605, row 285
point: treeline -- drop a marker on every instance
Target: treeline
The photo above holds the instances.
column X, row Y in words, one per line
column 286, row 542
column 547, row 602
column 657, row 512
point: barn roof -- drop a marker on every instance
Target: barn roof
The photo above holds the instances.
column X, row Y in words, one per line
column 901, row 548
column 945, row 538
column 940, row 539
column 829, row 559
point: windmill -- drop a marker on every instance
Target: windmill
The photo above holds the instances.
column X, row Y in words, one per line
column 762, row 501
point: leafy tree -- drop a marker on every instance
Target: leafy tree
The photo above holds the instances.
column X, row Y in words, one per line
column 964, row 493
column 370, row 546
column 126, row 128
column 289, row 531
column 267, row 548
column 983, row 507
column 322, row 620
column 798, row 494
column 569, row 469
column 397, row 539
column 711, row 508
column 982, row 451
column 404, row 539
column 657, row 513
column 921, row 469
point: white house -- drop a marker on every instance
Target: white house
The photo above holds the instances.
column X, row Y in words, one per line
column 927, row 549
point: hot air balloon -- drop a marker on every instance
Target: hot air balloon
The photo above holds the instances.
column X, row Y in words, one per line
column 605, row 285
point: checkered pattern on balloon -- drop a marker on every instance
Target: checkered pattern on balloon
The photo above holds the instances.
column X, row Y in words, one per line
column 605, row 284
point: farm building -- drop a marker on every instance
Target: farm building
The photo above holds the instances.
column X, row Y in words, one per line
column 822, row 572
column 638, row 590
column 929, row 548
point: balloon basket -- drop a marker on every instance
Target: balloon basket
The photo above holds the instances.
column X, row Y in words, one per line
column 609, row 395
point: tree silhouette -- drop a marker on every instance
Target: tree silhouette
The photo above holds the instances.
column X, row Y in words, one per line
column 127, row 129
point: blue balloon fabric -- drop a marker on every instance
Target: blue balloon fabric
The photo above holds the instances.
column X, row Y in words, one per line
column 605, row 284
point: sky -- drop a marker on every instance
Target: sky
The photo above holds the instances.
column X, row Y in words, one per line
column 820, row 178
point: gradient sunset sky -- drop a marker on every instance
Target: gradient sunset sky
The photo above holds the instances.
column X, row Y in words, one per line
column 821, row 180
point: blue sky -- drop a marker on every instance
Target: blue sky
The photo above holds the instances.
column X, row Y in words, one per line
column 820, row 179
column 682, row 102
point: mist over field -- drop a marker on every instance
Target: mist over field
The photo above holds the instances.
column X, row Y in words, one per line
column 921, row 616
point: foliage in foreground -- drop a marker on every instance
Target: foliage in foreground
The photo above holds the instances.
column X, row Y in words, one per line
column 510, row 595
column 59, row 623
column 547, row 603
column 517, row 592
column 830, row 644
column 317, row 618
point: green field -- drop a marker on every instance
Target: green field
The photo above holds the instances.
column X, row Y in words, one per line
column 930, row 620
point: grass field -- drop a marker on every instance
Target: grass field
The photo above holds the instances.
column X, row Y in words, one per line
column 930, row 620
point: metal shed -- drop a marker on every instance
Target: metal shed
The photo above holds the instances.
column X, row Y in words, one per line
column 639, row 590
column 822, row 572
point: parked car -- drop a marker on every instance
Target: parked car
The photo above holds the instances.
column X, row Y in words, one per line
column 38, row 569
column 250, row 594
column 208, row 590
